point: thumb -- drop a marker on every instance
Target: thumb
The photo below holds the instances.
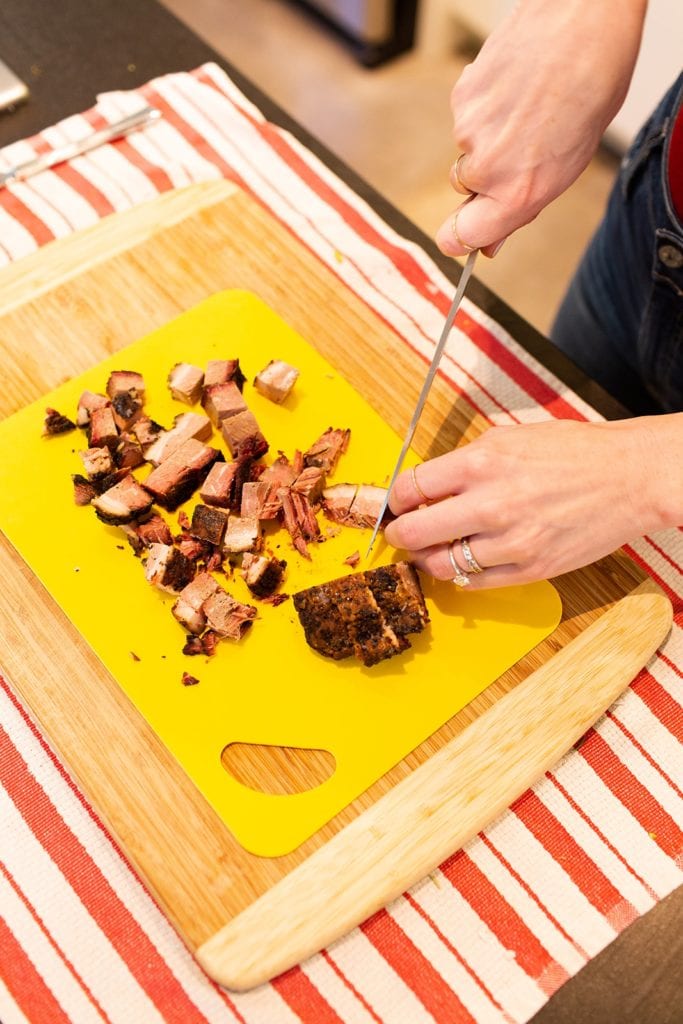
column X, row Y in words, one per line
column 479, row 223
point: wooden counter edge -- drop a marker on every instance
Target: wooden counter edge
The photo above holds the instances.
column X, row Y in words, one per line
column 448, row 799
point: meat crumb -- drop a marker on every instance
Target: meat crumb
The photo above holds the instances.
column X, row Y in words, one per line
column 189, row 680
column 55, row 423
column 134, row 656
column 353, row 559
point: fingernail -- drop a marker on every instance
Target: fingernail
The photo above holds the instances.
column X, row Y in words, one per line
column 498, row 247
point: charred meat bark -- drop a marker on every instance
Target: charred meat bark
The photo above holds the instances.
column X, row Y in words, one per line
column 185, row 382
column 208, row 524
column 125, row 502
column 168, row 569
column 177, row 478
column 276, row 380
column 84, row 490
column 127, row 409
column 367, row 614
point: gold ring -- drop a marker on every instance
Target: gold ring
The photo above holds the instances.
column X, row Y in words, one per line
column 460, row 578
column 472, row 563
column 461, row 186
column 417, row 487
column 454, row 228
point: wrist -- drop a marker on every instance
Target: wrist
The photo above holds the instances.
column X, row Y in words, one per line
column 660, row 442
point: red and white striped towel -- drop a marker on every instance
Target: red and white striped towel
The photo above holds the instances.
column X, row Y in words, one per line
column 498, row 928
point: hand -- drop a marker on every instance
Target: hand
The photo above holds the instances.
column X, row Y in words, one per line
column 541, row 499
column 530, row 111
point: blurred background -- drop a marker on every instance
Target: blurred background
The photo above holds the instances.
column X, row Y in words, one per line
column 371, row 79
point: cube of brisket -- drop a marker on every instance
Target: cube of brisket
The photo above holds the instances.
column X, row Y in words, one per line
column 366, row 507
column 186, row 382
column 208, row 524
column 97, row 462
column 84, row 490
column 128, row 452
column 325, row 452
column 243, row 435
column 276, row 380
column 260, row 500
column 241, row 535
column 87, row 403
column 227, row 617
column 186, row 425
column 188, row 609
column 102, row 431
column 168, row 569
column 262, row 575
column 154, row 530
column 367, row 614
column 220, row 371
column 219, row 487
column 337, row 501
column 147, row 431
column 176, row 479
column 280, row 473
column 121, row 381
column 222, row 401
column 124, row 502
column 127, row 409
column 310, row 482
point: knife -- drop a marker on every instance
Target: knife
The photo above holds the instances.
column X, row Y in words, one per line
column 431, row 373
column 116, row 130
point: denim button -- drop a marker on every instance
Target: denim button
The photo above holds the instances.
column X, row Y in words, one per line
column 670, row 256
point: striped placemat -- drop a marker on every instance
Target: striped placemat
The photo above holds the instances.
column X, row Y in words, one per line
column 497, row 929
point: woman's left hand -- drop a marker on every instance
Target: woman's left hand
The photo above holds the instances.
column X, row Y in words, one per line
column 534, row 500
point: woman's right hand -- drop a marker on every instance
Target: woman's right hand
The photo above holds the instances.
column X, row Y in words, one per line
column 530, row 111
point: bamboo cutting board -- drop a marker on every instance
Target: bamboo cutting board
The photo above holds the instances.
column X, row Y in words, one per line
column 78, row 301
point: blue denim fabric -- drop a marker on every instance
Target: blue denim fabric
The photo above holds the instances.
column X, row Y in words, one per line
column 622, row 318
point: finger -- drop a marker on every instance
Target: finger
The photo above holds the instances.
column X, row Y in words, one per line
column 458, row 177
column 481, row 223
column 436, row 563
column 435, row 524
column 430, row 481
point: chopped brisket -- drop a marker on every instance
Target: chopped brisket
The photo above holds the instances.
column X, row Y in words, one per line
column 260, row 500
column 220, row 371
column 208, row 524
column 353, row 559
column 102, row 430
column 243, row 436
column 366, row 614
column 128, row 452
column 186, row 426
column 188, row 680
column 121, row 381
column 241, row 535
column 276, row 380
column 327, row 449
column 55, row 423
column 97, row 462
column 193, row 548
column 154, row 530
column 366, row 507
column 222, row 401
column 89, row 401
column 188, row 609
column 147, row 431
column 337, row 501
column 127, row 409
column 219, row 487
column 84, row 490
column 124, row 502
column 227, row 617
column 186, row 382
column 280, row 473
column 310, row 482
column 262, row 575
column 299, row 519
column 176, row 479
column 168, row 569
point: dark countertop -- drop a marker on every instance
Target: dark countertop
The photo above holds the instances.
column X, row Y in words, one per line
column 68, row 51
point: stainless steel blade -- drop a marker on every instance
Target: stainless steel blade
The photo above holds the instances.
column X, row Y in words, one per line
column 431, row 373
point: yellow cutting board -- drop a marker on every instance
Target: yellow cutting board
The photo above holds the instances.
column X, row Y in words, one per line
column 269, row 688
column 247, row 917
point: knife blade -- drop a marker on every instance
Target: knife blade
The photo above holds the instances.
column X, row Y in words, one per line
column 426, row 387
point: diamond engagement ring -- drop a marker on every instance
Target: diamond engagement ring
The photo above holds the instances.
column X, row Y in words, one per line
column 460, row 578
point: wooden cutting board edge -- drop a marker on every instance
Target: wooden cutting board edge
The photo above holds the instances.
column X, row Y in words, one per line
column 25, row 281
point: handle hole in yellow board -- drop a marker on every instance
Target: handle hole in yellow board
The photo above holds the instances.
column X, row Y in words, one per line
column 280, row 771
